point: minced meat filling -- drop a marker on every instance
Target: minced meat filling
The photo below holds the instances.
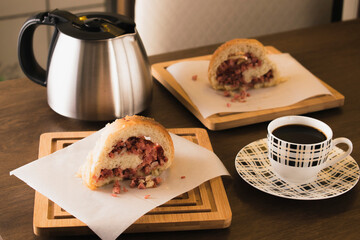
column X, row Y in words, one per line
column 230, row 71
column 151, row 153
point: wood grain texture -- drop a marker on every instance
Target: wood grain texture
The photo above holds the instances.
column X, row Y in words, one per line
column 331, row 52
column 205, row 207
column 222, row 121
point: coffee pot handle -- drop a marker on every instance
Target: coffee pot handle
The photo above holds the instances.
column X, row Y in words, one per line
column 26, row 56
column 27, row 60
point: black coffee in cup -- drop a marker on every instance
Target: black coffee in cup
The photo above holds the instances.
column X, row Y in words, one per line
column 298, row 133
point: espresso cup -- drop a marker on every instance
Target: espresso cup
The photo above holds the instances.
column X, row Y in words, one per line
column 298, row 162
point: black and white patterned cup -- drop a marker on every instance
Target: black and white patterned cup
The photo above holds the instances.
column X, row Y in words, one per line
column 300, row 163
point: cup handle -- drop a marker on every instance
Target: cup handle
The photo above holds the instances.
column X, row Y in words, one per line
column 335, row 142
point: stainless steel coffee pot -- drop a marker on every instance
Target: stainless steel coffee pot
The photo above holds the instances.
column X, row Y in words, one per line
column 97, row 66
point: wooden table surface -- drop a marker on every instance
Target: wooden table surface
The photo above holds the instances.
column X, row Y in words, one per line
column 331, row 52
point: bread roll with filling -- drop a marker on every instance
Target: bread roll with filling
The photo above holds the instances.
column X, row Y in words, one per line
column 128, row 148
column 242, row 64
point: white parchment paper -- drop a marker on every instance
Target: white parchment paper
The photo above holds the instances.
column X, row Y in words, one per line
column 54, row 176
column 301, row 84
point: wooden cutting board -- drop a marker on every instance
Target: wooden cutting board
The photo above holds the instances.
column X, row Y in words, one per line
column 222, row 121
column 204, row 207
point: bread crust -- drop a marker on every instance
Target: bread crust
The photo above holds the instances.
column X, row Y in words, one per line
column 244, row 43
column 236, row 46
column 122, row 129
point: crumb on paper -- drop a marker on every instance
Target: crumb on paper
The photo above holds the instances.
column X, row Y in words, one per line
column 116, row 188
column 227, row 93
column 194, row 77
column 236, row 96
column 140, row 183
column 147, row 196
column 145, row 182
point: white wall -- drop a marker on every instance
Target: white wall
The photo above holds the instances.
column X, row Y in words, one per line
column 350, row 9
column 170, row 25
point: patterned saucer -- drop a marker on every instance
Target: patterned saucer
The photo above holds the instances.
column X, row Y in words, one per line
column 253, row 166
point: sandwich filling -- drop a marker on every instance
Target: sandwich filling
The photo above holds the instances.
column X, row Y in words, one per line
column 151, row 155
column 230, row 72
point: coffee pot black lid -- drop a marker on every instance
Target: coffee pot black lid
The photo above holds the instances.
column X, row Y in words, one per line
column 92, row 25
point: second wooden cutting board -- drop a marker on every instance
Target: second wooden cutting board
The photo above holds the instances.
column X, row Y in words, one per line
column 222, row 121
